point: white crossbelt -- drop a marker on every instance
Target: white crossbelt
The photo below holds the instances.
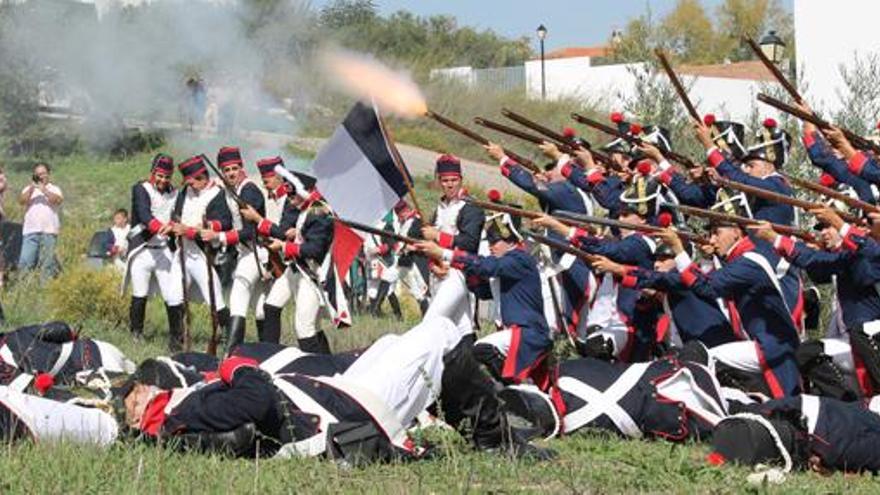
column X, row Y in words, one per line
column 306, row 404
column 66, row 351
column 810, row 409
column 6, row 356
column 21, row 382
column 599, row 403
column 281, row 359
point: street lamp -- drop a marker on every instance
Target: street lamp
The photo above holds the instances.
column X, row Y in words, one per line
column 773, row 47
column 542, row 33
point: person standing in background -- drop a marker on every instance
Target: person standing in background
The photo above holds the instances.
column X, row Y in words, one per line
column 42, row 202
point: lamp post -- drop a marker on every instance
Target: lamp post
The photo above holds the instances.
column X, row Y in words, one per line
column 542, row 33
column 773, row 47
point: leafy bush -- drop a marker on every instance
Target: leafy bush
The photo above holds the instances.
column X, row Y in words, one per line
column 81, row 294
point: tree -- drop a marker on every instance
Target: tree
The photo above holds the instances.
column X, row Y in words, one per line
column 348, row 13
column 687, row 32
column 753, row 18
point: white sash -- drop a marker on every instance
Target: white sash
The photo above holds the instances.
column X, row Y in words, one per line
column 599, row 403
column 810, row 408
column 771, row 274
column 66, row 351
column 280, row 359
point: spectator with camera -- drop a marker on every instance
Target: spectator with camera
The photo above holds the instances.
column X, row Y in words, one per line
column 42, row 202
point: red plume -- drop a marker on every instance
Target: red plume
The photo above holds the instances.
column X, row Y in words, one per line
column 43, row 382
column 664, row 219
column 826, row 180
column 494, row 195
column 635, row 129
column 709, row 119
column 769, row 123
column 616, row 117
column 644, row 167
column 568, row 132
column 715, row 459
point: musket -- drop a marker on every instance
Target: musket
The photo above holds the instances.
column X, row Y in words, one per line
column 676, row 157
column 473, row 136
column 676, row 83
column 212, row 300
column 856, row 140
column 379, row 232
column 187, row 316
column 777, row 74
column 229, row 190
column 833, row 194
column 561, row 246
column 564, row 144
column 647, row 229
column 781, row 198
column 743, row 221
column 398, row 162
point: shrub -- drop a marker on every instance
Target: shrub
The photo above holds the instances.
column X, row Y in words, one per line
column 81, row 294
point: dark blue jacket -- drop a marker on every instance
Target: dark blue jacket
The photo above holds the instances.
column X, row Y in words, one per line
column 822, row 157
column 761, row 208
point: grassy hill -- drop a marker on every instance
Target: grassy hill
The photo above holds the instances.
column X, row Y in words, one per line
column 93, row 189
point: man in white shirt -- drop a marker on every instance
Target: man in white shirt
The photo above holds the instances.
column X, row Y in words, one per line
column 42, row 201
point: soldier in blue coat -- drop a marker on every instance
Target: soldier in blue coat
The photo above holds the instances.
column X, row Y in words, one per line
column 805, row 432
column 747, row 277
column 520, row 350
column 758, row 168
column 851, row 263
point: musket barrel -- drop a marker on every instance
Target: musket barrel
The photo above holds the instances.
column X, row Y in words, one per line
column 676, row 83
column 724, row 217
column 777, row 74
column 781, row 198
column 833, row 194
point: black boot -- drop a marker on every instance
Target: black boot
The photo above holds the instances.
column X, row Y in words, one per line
column 316, row 344
column 175, row 327
column 376, row 304
column 223, row 324
column 423, row 306
column 235, row 333
column 136, row 313
column 395, row 306
column 467, row 392
column 271, row 324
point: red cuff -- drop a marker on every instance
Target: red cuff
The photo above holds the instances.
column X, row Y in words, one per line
column 215, row 225
column 264, row 227
column 595, row 177
column 690, row 275
column 191, row 233
column 231, row 237
column 785, row 247
column 809, row 139
column 848, row 242
column 114, row 250
column 291, row 250
column 457, row 254
column 383, row 249
column 154, row 225
column 629, row 279
column 445, row 240
column 230, row 365
column 857, row 163
column 666, row 177
column 154, row 414
column 566, row 170
column 715, row 158
column 505, row 167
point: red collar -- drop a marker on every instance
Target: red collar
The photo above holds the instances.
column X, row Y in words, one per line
column 742, row 246
column 154, row 414
column 279, row 192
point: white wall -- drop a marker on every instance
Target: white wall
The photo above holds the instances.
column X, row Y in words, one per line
column 829, row 34
column 463, row 74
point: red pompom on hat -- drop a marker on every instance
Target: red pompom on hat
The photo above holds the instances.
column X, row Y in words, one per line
column 494, row 195
column 664, row 219
column 43, row 382
column 635, row 129
column 568, row 132
column 709, row 119
column 644, row 167
column 827, row 180
column 616, row 117
column 770, row 123
column 715, row 459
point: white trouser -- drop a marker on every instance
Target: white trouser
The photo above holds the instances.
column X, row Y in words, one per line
column 247, row 287
column 307, row 301
column 197, row 272
column 405, row 371
column 412, row 279
column 162, row 264
column 840, row 352
column 52, row 421
column 741, row 356
column 451, row 299
column 112, row 359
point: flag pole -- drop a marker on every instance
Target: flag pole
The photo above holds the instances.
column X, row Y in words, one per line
column 398, row 162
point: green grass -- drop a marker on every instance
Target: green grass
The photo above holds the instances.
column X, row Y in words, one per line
column 588, row 463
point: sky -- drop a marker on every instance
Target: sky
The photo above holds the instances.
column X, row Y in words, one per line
column 568, row 22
